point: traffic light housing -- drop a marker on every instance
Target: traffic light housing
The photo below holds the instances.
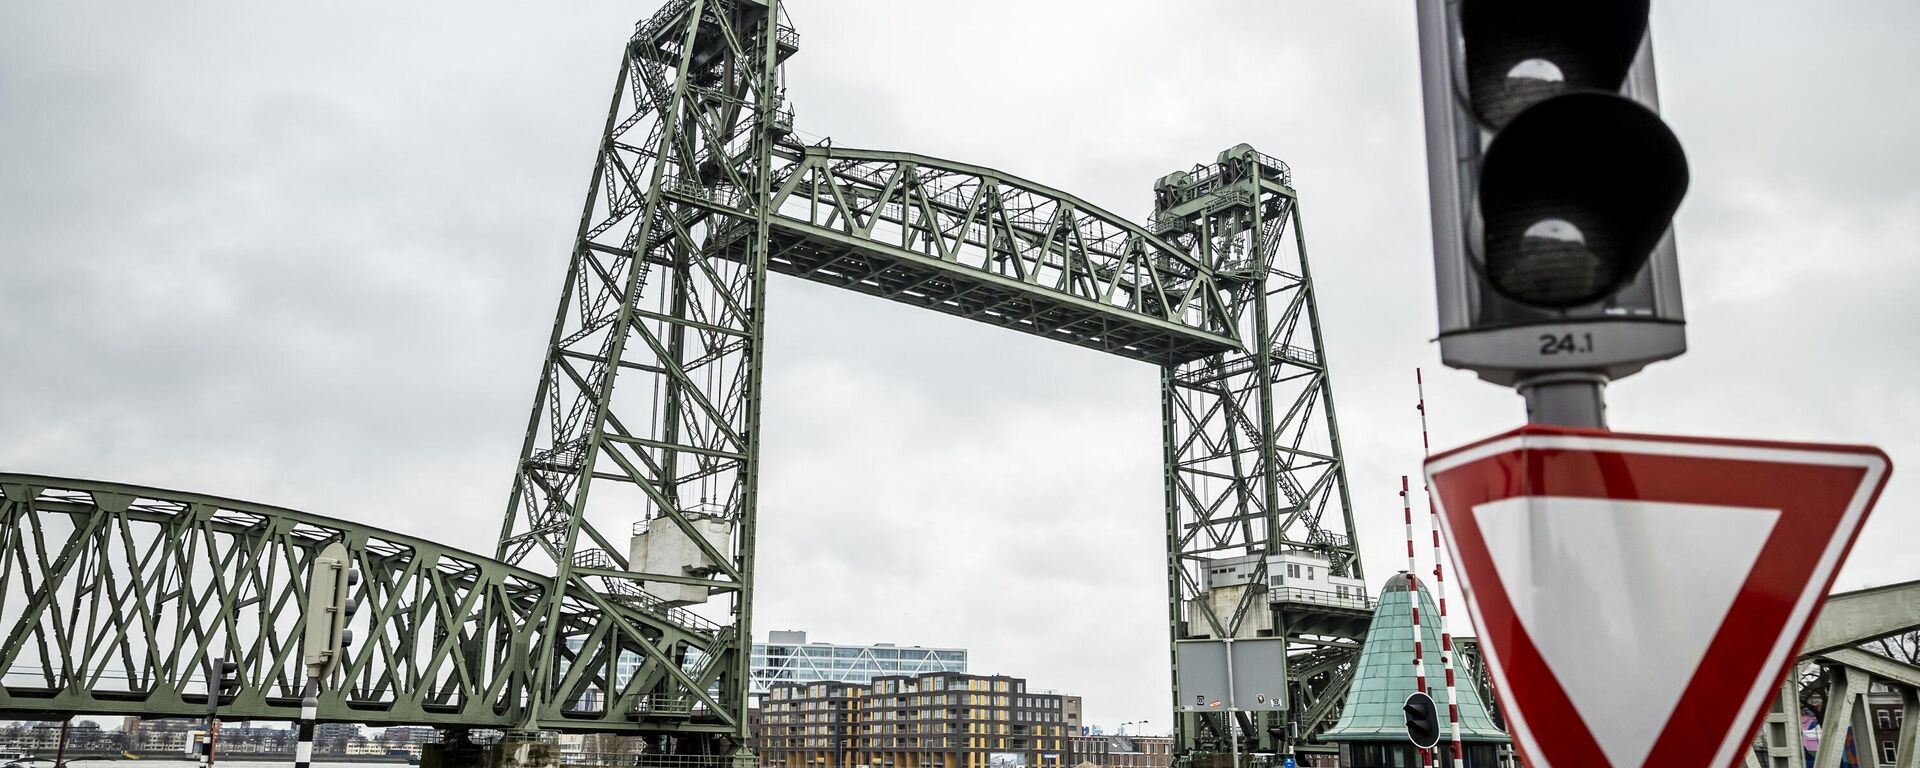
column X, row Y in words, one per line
column 330, row 608
column 223, row 683
column 1554, row 183
column 1423, row 720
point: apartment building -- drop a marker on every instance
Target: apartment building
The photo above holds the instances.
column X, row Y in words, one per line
column 932, row 720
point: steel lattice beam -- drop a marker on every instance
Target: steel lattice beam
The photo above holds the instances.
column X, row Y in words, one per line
column 113, row 598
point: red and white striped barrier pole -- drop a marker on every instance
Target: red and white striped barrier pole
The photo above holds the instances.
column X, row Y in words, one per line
column 1439, row 583
column 1413, row 601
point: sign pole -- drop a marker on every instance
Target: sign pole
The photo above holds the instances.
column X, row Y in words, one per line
column 1233, row 720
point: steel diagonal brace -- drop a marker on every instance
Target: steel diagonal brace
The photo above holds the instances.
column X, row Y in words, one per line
column 667, row 507
column 613, row 614
column 691, row 388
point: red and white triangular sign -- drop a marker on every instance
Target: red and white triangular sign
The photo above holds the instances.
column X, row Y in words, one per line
column 1640, row 595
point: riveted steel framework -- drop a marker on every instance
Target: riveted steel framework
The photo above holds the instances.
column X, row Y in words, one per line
column 649, row 398
column 1252, row 448
column 650, row 391
column 115, row 597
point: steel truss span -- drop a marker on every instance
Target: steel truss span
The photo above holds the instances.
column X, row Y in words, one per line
column 114, row 598
column 629, row 609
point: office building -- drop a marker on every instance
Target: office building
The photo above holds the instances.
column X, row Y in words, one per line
column 787, row 657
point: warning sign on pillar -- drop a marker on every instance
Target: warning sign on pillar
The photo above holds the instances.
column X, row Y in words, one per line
column 1639, row 595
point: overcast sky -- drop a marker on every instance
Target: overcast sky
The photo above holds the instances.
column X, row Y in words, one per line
column 309, row 257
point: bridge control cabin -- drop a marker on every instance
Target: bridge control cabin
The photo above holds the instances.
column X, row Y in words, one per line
column 1299, row 586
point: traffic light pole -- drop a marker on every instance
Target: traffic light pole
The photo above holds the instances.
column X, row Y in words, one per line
column 216, row 682
column 309, row 710
column 1566, row 399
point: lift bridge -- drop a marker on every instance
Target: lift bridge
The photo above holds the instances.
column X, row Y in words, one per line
column 628, row 610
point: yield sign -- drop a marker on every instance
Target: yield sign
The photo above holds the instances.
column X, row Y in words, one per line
column 1639, row 595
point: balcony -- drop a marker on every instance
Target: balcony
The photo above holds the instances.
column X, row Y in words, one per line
column 1320, row 597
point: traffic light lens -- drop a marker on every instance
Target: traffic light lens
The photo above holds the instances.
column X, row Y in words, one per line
column 1522, row 52
column 1536, row 70
column 1528, row 82
column 1574, row 196
column 1554, row 266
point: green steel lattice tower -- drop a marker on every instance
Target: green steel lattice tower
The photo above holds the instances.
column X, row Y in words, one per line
column 654, row 302
column 699, row 191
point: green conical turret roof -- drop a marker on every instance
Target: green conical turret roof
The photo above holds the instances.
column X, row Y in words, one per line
column 1384, row 678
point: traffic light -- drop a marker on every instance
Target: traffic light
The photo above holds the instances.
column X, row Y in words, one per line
column 1554, row 183
column 330, row 607
column 1423, row 720
column 223, row 683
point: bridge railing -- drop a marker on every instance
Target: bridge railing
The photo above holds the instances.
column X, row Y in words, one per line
column 1359, row 601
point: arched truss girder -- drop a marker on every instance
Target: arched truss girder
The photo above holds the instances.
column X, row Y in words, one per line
column 114, row 597
column 993, row 247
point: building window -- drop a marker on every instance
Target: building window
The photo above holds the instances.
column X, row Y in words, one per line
column 1887, row 751
column 1293, row 570
column 1884, row 719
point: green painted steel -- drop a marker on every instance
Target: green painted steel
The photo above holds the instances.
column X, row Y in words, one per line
column 650, row 392
column 1252, row 446
column 649, row 397
column 114, row 597
column 992, row 247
